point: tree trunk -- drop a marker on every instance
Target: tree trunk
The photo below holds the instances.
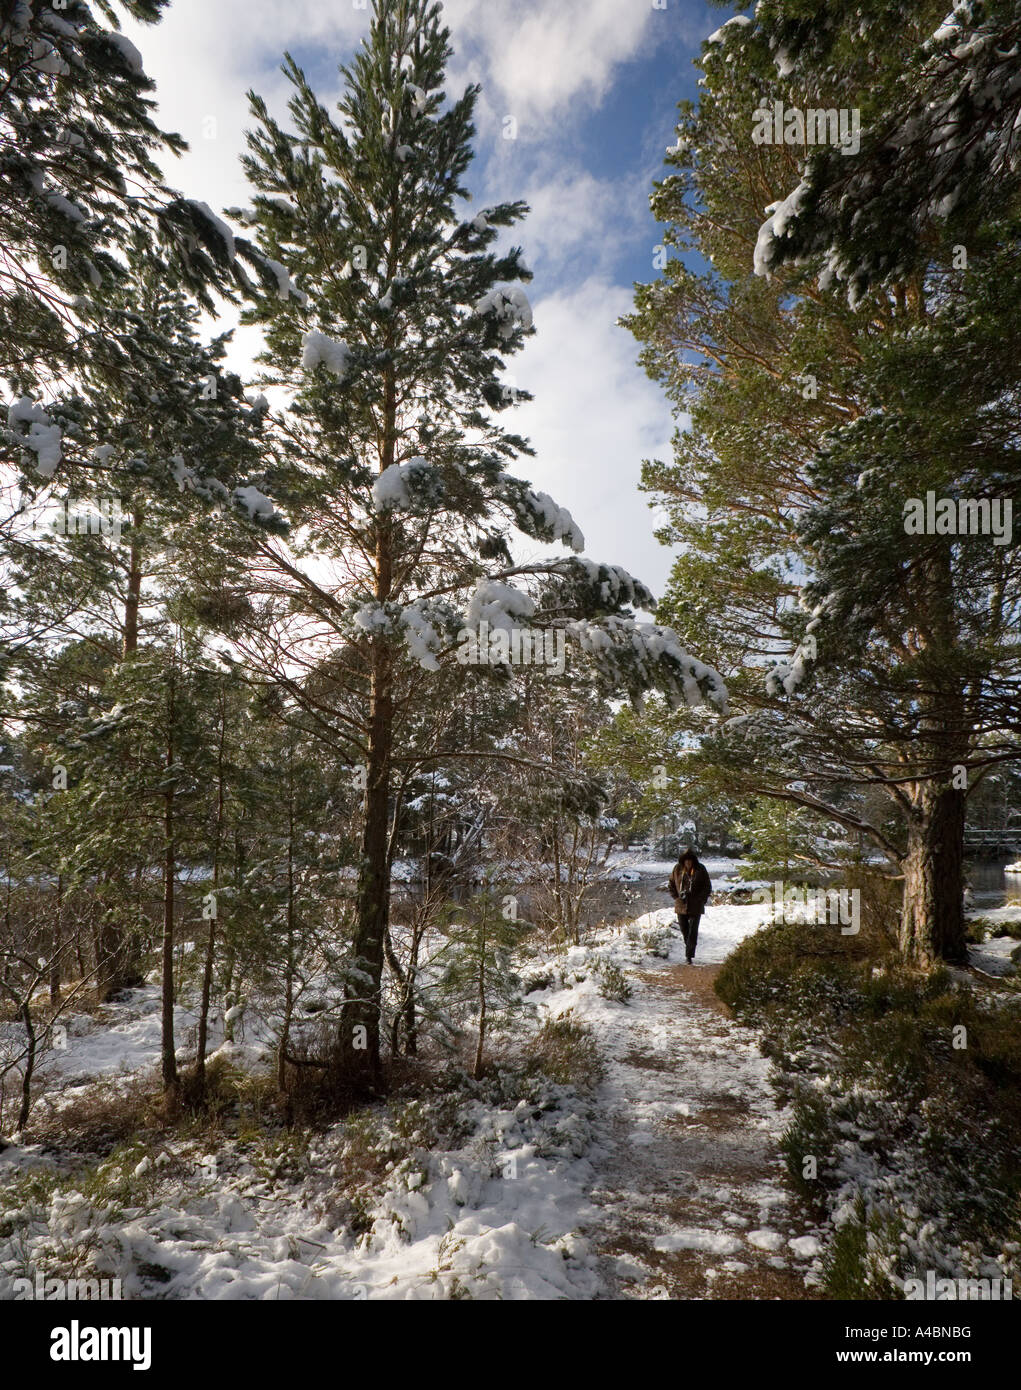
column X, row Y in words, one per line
column 117, row 948
column 26, row 1080
column 207, row 970
column 56, row 945
column 361, row 1017
column 168, row 1050
column 360, row 1022
column 480, row 1046
column 932, row 917
column 134, row 591
column 410, row 1015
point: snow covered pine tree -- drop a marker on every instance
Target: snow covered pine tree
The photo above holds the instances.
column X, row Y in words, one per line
column 391, row 460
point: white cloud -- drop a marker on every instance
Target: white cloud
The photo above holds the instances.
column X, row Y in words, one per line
column 204, row 58
column 594, row 419
column 540, row 58
column 577, row 223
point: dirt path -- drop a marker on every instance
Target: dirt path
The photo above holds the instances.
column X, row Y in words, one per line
column 691, row 1182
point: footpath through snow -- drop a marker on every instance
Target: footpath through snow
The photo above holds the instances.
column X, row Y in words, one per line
column 688, row 1174
column 667, row 1185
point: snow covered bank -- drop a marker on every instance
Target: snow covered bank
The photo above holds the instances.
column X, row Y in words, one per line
column 505, row 1212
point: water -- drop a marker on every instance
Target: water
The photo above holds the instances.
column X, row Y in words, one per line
column 615, row 903
column 991, row 886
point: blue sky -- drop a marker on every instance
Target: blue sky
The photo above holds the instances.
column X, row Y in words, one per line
column 593, row 86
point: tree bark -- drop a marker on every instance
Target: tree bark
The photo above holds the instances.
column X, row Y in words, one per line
column 26, row 1079
column 361, row 1016
column 481, row 1044
column 168, row 1050
column 56, row 944
column 360, row 1022
column 134, row 591
column 932, row 917
column 117, row 952
column 207, row 970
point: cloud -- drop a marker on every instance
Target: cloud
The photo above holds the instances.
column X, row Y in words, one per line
column 204, row 57
column 594, row 419
column 577, row 223
column 540, row 58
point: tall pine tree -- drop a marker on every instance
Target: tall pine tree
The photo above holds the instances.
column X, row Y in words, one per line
column 391, row 329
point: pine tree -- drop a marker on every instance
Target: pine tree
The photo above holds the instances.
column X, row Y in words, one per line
column 392, row 335
column 159, row 472
column 478, row 976
column 812, row 426
column 940, row 132
column 78, row 152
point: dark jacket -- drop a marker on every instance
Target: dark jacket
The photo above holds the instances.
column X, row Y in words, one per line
column 690, row 890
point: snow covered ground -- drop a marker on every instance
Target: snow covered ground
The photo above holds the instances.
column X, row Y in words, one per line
column 532, row 1205
column 688, row 1175
column 995, row 956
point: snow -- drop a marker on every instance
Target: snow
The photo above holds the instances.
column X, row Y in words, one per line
column 765, row 1240
column 718, row 35
column 63, row 205
column 286, row 288
column 370, row 617
column 254, row 502
column 510, row 307
column 805, row 1247
column 421, row 637
column 128, row 52
column 780, row 214
column 390, row 490
column 996, row 956
column 526, row 1209
column 319, row 350
column 218, row 225
column 44, row 438
column 557, row 519
column 659, row 656
column 499, row 604
column 711, row 1242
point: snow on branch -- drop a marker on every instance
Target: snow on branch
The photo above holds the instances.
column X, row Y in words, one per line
column 637, row 657
column 214, row 227
column 597, row 585
column 537, row 515
column 43, row 437
column 510, row 309
column 415, row 486
column 319, row 350
column 286, row 288
column 499, row 604
column 248, row 499
column 775, row 228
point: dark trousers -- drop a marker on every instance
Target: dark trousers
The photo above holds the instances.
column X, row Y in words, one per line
column 689, row 930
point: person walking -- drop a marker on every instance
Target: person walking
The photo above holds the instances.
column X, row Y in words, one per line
column 689, row 887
